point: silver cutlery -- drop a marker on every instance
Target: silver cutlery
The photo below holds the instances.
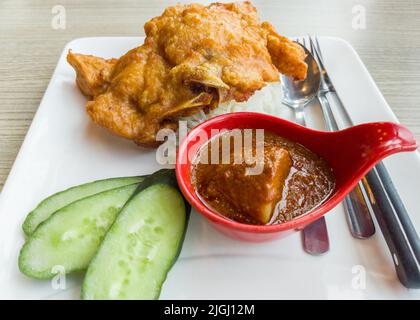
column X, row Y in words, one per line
column 297, row 94
column 357, row 210
column 390, row 212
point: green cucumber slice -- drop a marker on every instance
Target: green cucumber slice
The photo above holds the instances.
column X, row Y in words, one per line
column 59, row 200
column 141, row 246
column 72, row 235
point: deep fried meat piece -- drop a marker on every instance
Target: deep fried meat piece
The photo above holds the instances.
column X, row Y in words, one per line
column 193, row 58
column 93, row 73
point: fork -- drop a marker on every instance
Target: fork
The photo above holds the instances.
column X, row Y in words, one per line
column 390, row 212
column 356, row 208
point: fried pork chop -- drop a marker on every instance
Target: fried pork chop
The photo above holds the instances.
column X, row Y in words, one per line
column 194, row 57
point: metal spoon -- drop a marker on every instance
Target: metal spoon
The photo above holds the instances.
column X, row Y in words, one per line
column 296, row 95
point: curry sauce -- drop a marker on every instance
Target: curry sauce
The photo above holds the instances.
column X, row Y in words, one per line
column 292, row 181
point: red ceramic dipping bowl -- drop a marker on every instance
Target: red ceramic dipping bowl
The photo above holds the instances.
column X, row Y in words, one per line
column 351, row 153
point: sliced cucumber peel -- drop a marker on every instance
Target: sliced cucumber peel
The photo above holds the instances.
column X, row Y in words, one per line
column 63, row 198
column 143, row 243
column 71, row 236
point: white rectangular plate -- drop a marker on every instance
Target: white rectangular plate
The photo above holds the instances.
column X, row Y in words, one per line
column 64, row 148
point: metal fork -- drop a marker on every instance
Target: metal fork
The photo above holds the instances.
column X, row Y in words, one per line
column 357, row 210
column 390, row 212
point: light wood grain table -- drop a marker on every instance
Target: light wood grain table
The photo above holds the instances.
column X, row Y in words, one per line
column 30, row 47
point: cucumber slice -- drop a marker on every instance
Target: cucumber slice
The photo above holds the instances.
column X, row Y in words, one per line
column 59, row 200
column 142, row 244
column 72, row 235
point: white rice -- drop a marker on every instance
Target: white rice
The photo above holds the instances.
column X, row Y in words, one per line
column 267, row 100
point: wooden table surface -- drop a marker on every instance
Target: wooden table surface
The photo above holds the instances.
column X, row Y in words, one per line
column 30, row 47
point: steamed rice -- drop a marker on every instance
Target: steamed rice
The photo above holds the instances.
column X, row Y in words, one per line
column 267, row 100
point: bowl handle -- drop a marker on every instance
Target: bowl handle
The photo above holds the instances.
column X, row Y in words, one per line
column 361, row 147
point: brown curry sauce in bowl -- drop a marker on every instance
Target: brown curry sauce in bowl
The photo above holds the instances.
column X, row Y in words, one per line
column 291, row 181
column 348, row 155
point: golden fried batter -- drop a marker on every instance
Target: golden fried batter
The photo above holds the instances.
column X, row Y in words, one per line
column 193, row 58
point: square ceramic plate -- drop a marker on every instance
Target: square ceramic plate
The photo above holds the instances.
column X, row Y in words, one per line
column 64, row 148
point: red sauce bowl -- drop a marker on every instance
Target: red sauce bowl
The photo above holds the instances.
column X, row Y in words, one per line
column 351, row 153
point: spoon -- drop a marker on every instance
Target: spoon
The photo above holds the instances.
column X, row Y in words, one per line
column 296, row 95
